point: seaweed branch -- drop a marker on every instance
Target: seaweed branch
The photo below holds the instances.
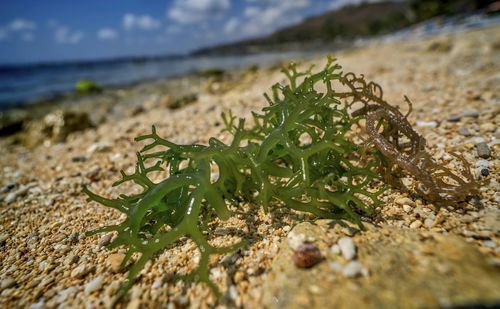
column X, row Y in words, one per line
column 300, row 153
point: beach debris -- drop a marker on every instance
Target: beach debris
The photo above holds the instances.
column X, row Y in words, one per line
column 427, row 124
column 55, row 127
column 296, row 239
column 306, row 256
column 347, row 248
column 483, row 151
column 94, row 285
column 86, row 86
column 99, row 147
column 353, row 269
column 21, row 191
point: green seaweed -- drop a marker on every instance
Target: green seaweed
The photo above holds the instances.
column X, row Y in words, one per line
column 297, row 153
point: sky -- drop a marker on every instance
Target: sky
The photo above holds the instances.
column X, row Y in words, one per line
column 66, row 30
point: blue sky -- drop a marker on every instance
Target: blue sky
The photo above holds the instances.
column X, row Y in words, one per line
column 61, row 30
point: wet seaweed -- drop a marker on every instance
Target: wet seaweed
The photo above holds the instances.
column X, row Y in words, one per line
column 301, row 152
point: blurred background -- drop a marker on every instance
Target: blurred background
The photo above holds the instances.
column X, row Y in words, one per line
column 46, row 47
column 54, row 52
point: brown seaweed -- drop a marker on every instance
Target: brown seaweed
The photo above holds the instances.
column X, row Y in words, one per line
column 404, row 149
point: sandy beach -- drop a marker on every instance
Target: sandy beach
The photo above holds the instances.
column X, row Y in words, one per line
column 415, row 255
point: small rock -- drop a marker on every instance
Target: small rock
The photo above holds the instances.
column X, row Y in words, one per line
column 8, row 187
column 336, row 266
column 404, row 201
column 99, row 147
column 487, row 127
column 416, row 224
column 93, row 285
column 429, row 222
column 483, row 151
column 490, row 244
column 157, row 283
column 105, row 240
column 295, row 239
column 454, row 118
column 335, row 249
column 81, row 271
column 12, row 196
column 63, row 295
column 306, row 256
column 114, row 261
column 464, row 131
column 482, row 164
column 407, row 208
column 7, row 283
column 352, row 269
column 38, row 305
column 79, row 159
column 470, row 113
column 427, row 124
column 347, row 248
column 3, row 239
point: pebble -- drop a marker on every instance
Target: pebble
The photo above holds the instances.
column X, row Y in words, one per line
column 306, row 256
column 12, row 196
column 427, row 124
column 464, row 131
column 81, row 271
column 335, row 249
column 336, row 266
column 347, row 247
column 114, row 261
column 7, row 283
column 157, row 283
column 483, row 151
column 105, row 240
column 470, row 113
column 63, row 295
column 482, row 164
column 407, row 208
column 352, row 269
column 99, row 147
column 416, row 224
column 404, row 201
column 429, row 222
column 487, row 127
column 93, row 285
column 3, row 239
column 79, row 159
column 8, row 187
column 295, row 239
column 490, row 244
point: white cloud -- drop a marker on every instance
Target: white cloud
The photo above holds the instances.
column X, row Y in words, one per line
column 231, row 25
column 20, row 24
column 64, row 35
column 28, row 37
column 265, row 16
column 194, row 11
column 143, row 22
column 21, row 28
column 107, row 34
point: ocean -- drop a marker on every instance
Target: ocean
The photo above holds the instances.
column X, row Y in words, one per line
column 25, row 84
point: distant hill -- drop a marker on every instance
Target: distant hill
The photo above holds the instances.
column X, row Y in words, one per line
column 349, row 22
